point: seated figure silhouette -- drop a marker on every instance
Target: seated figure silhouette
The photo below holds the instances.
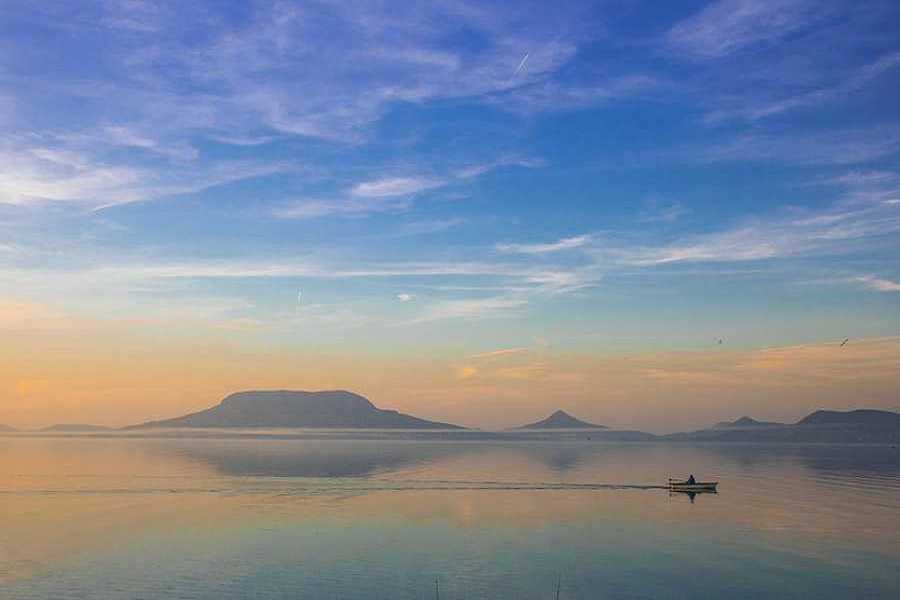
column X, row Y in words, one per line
column 691, row 480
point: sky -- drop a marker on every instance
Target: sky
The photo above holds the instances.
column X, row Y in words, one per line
column 654, row 215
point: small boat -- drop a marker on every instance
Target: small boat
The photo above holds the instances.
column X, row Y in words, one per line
column 677, row 485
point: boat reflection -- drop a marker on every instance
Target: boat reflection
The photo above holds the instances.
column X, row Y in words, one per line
column 691, row 494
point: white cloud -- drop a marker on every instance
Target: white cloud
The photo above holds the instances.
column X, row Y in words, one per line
column 390, row 194
column 394, row 186
column 569, row 243
column 840, row 229
column 877, row 283
column 475, row 308
column 243, row 140
column 476, row 170
column 499, row 353
column 119, row 135
column 31, row 174
column 548, row 95
column 314, row 208
column 564, row 280
column 727, row 26
column 404, row 297
column 777, row 98
column 355, row 61
column 328, row 71
column 832, row 147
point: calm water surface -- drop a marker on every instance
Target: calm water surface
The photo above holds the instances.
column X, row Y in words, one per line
column 296, row 516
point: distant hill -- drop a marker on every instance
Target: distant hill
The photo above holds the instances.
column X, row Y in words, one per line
column 823, row 426
column 561, row 420
column 747, row 422
column 855, row 418
column 337, row 409
column 73, row 427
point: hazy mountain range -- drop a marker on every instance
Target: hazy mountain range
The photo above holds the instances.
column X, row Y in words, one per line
column 823, row 426
column 339, row 409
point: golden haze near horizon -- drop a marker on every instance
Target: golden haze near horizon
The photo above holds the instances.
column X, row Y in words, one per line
column 118, row 376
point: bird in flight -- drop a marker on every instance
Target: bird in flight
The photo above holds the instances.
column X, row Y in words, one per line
column 844, row 343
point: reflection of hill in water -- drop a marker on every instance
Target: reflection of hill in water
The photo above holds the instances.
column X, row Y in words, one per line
column 366, row 457
column 561, row 457
column 822, row 458
column 282, row 458
column 867, row 460
column 359, row 458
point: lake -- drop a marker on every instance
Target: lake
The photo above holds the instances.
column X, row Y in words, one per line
column 311, row 515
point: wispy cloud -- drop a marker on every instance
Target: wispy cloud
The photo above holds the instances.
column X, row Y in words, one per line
column 243, row 140
column 656, row 211
column 475, row 308
column 839, row 230
column 878, row 284
column 126, row 136
column 314, row 208
column 425, row 227
column 499, row 353
column 30, row 174
column 392, row 194
column 157, row 94
column 727, row 26
column 569, row 243
column 476, row 170
column 357, row 61
column 835, row 147
column 862, row 218
column 555, row 96
column 384, row 195
column 775, row 100
column 394, row 186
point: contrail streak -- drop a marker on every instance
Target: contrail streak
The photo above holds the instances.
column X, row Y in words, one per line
column 521, row 64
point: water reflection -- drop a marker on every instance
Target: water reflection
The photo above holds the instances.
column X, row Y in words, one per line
column 310, row 459
column 346, row 517
column 365, row 458
column 691, row 495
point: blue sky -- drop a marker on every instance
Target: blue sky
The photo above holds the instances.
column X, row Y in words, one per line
column 453, row 177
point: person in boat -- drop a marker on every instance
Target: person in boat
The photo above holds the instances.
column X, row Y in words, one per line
column 691, row 480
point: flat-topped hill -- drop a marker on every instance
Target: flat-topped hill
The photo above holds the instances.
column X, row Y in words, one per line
column 337, row 409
